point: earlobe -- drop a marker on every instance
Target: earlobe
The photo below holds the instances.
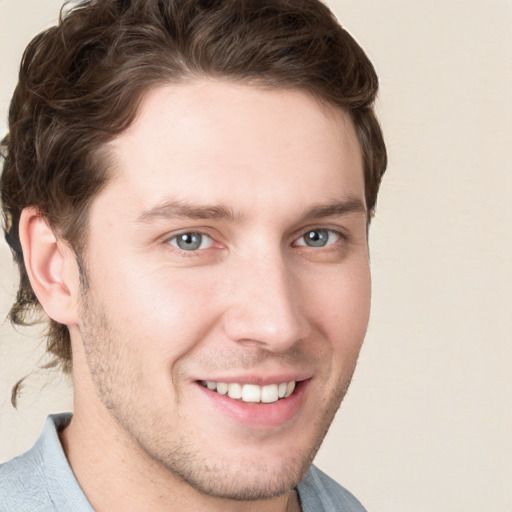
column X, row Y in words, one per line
column 51, row 267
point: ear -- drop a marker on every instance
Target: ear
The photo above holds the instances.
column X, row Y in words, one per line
column 51, row 267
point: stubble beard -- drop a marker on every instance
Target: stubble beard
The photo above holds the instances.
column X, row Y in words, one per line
column 230, row 478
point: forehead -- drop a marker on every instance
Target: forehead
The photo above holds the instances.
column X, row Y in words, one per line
column 215, row 141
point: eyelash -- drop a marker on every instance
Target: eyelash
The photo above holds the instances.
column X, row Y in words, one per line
column 196, row 251
column 190, row 252
column 330, row 233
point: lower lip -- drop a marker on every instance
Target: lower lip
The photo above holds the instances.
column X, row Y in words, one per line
column 259, row 414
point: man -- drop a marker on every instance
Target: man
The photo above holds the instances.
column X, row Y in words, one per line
column 187, row 190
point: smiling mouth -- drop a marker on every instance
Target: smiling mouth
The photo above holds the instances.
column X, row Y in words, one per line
column 251, row 393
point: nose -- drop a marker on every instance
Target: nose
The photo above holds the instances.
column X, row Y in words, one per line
column 266, row 306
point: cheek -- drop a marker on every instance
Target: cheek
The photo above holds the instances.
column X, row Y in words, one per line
column 339, row 306
column 164, row 314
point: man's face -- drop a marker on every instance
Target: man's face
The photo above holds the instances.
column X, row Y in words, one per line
column 227, row 257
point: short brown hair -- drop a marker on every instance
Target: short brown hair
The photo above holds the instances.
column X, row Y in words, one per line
column 80, row 84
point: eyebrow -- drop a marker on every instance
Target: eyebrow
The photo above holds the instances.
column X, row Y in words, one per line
column 350, row 204
column 180, row 209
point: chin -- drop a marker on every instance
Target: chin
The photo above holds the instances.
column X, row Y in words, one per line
column 246, row 481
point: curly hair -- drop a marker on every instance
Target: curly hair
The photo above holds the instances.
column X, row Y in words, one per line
column 80, row 84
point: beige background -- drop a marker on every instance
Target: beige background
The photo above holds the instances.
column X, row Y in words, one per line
column 427, row 425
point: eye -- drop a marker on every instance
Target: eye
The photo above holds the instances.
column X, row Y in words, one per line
column 191, row 241
column 318, row 238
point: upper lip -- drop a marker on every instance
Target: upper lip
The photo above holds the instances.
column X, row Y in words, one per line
column 259, row 380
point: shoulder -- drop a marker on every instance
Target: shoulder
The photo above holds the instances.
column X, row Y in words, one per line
column 320, row 493
column 23, row 483
column 41, row 480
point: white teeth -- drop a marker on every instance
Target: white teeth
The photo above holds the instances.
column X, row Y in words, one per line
column 222, row 388
column 289, row 388
column 251, row 392
column 234, row 390
column 269, row 394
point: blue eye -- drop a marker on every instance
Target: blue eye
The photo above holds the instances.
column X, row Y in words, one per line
column 191, row 241
column 318, row 238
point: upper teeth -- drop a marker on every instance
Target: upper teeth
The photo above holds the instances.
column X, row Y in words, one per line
column 252, row 392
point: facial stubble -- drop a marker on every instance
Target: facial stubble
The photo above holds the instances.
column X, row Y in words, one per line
column 183, row 458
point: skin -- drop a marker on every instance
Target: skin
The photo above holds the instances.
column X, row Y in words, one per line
column 254, row 303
